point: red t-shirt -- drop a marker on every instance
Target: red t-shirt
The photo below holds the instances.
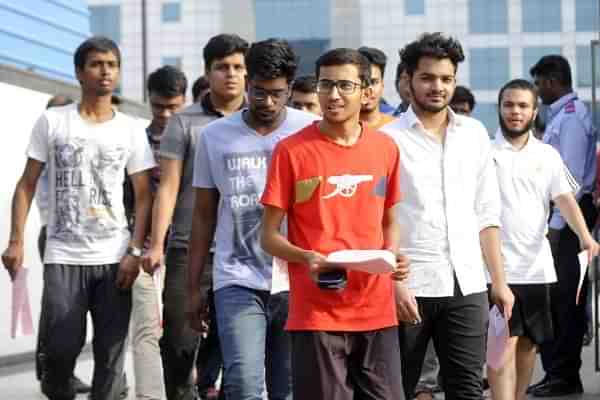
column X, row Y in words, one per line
column 335, row 198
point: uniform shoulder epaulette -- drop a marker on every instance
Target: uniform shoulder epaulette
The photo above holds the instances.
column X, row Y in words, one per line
column 570, row 107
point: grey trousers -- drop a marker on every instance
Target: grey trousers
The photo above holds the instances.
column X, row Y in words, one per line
column 70, row 291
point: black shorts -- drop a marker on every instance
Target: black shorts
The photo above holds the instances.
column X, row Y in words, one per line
column 532, row 316
column 346, row 365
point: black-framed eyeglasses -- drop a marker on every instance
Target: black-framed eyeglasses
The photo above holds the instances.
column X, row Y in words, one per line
column 260, row 94
column 343, row 86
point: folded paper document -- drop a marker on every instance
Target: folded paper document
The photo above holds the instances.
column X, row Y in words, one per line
column 371, row 261
column 21, row 322
column 497, row 338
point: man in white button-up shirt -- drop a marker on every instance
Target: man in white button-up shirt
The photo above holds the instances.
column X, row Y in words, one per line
column 530, row 175
column 451, row 217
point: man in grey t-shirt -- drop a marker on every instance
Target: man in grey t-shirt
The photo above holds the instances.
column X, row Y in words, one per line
column 225, row 70
column 229, row 176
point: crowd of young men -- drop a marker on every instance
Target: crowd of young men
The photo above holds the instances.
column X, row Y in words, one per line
column 247, row 196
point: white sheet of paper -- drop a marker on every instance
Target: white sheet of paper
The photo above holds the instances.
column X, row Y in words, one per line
column 21, row 321
column 371, row 261
column 280, row 280
column 497, row 338
column 157, row 278
column 583, row 264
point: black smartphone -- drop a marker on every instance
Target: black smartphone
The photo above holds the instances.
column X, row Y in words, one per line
column 333, row 280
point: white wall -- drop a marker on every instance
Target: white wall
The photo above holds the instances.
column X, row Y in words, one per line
column 22, row 108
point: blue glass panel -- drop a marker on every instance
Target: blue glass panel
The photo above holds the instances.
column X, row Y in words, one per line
column 106, row 21
column 587, row 15
column 487, row 113
column 489, row 68
column 171, row 12
column 541, row 15
column 293, row 19
column 487, row 16
column 415, row 7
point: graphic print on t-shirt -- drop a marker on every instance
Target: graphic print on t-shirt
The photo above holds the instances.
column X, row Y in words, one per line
column 84, row 203
column 245, row 174
column 346, row 185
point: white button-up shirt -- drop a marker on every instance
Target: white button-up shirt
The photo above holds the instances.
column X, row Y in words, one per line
column 529, row 179
column 450, row 193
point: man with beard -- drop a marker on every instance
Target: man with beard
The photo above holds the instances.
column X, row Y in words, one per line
column 531, row 174
column 451, row 214
column 90, row 259
column 225, row 70
column 370, row 111
column 229, row 176
column 570, row 131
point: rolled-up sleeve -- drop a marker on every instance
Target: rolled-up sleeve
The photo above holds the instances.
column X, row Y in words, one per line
column 487, row 192
column 572, row 147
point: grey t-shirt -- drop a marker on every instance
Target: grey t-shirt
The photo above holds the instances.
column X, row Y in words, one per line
column 178, row 143
column 233, row 158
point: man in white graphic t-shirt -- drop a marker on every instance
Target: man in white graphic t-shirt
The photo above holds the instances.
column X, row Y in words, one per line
column 90, row 259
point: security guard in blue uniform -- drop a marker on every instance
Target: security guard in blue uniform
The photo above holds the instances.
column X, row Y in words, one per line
column 569, row 130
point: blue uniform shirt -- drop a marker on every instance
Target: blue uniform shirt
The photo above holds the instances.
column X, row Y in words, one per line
column 570, row 131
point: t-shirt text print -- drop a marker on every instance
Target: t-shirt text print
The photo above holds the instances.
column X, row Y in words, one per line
column 86, row 165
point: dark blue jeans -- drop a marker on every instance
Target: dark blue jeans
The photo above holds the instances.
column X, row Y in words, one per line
column 255, row 346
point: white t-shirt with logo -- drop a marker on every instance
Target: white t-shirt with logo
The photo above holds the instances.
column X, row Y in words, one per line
column 529, row 179
column 86, row 165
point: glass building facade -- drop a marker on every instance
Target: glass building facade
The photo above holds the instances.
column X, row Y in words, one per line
column 42, row 35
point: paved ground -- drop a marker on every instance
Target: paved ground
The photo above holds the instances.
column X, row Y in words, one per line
column 18, row 383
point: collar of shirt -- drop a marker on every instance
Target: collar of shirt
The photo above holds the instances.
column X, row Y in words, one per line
column 448, row 199
column 210, row 109
column 501, row 142
column 412, row 121
column 558, row 105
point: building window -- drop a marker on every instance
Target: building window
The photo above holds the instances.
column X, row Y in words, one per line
column 415, row 7
column 541, row 15
column 489, row 68
column 584, row 66
column 106, row 21
column 173, row 61
column 532, row 55
column 487, row 113
column 487, row 16
column 171, row 12
column 587, row 15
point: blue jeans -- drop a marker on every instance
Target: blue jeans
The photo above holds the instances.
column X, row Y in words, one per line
column 254, row 343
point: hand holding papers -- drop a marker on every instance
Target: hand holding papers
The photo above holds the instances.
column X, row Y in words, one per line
column 497, row 338
column 371, row 261
column 21, row 322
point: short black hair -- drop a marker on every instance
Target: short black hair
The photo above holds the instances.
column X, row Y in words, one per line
column 400, row 68
column 201, row 84
column 98, row 44
column 434, row 45
column 271, row 59
column 344, row 56
column 305, row 84
column 463, row 94
column 167, row 81
column 375, row 56
column 553, row 66
column 59, row 100
column 221, row 46
column 519, row 84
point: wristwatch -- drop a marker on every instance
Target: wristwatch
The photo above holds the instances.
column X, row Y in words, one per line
column 134, row 251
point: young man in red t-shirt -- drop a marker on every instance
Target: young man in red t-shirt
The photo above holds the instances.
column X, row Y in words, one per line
column 337, row 182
